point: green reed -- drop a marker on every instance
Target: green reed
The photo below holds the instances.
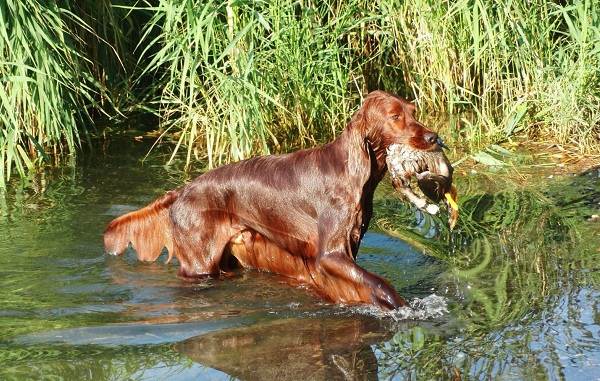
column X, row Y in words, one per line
column 60, row 68
column 513, row 65
column 247, row 77
column 230, row 79
column 45, row 86
column 240, row 78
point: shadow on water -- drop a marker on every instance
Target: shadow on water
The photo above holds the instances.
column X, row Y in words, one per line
column 519, row 277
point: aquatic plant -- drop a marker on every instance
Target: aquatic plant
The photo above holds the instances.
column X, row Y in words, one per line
column 239, row 78
column 58, row 61
column 513, row 65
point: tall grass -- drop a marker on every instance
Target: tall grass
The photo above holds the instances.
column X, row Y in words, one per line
column 230, row 79
column 516, row 65
column 45, row 85
column 107, row 35
column 60, row 67
column 243, row 77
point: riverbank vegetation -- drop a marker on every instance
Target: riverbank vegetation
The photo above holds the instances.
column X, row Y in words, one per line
column 230, row 79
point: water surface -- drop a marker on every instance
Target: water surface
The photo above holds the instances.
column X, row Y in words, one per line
column 513, row 293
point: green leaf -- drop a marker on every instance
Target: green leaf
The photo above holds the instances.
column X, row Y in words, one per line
column 487, row 159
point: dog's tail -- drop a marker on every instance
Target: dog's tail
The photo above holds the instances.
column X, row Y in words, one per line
column 149, row 230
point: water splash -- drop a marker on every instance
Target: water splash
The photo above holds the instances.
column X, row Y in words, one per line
column 429, row 307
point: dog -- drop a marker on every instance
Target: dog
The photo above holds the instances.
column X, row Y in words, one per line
column 301, row 214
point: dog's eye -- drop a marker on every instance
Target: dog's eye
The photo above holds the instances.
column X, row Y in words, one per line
column 394, row 117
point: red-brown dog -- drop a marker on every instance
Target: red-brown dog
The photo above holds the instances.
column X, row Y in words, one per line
column 301, row 215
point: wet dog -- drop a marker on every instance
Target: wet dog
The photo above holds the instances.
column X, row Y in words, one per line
column 301, row 214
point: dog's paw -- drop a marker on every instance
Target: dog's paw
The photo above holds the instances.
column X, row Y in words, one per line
column 386, row 298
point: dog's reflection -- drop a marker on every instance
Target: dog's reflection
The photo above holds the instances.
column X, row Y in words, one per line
column 292, row 349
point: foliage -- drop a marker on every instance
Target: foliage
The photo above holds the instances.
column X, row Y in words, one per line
column 230, row 79
column 244, row 77
column 241, row 77
column 514, row 64
column 51, row 80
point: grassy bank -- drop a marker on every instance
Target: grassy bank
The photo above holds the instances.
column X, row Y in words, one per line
column 53, row 81
column 44, row 83
column 233, row 79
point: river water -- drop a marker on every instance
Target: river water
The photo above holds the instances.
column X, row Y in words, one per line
column 512, row 293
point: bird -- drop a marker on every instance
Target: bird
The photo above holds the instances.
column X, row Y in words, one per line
column 434, row 186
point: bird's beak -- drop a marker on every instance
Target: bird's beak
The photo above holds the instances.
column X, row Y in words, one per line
column 440, row 143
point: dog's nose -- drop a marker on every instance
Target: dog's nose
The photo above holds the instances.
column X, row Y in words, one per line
column 430, row 137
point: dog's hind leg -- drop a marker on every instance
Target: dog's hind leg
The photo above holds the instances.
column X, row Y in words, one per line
column 252, row 250
column 199, row 246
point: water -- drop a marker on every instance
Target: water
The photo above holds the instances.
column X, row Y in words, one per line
column 514, row 293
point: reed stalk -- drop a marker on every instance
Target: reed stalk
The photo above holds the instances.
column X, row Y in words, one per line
column 231, row 79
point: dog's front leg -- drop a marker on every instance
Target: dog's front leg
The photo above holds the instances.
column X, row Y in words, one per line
column 342, row 280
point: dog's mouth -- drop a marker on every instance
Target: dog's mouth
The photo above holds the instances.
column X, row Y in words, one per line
column 433, row 172
column 405, row 163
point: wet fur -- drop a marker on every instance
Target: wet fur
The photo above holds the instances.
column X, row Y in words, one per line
column 301, row 215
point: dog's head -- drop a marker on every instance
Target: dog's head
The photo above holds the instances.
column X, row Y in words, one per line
column 389, row 119
column 407, row 147
column 390, row 127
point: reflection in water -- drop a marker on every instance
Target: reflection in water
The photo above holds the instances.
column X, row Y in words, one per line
column 526, row 308
column 520, row 276
column 292, row 349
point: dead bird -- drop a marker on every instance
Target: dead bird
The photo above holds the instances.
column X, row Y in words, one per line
column 433, row 173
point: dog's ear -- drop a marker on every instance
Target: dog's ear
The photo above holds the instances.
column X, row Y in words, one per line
column 358, row 120
column 367, row 113
column 358, row 161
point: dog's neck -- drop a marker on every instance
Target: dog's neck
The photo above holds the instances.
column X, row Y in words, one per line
column 378, row 149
